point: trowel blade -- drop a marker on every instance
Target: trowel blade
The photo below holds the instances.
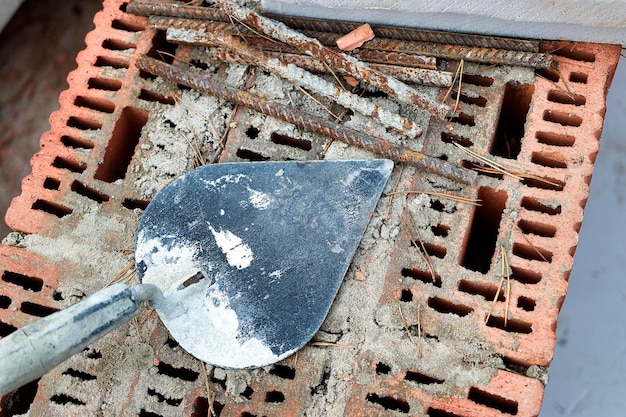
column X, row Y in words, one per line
column 250, row 256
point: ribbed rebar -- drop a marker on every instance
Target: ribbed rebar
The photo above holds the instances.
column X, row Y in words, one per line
column 306, row 120
column 350, row 65
column 410, row 34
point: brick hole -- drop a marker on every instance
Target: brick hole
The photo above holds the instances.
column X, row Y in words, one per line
column 487, row 291
column 420, row 378
column 200, row 64
column 121, row 147
column 562, row 118
column 76, row 143
column 583, row 203
column 6, row 329
column 526, row 304
column 83, row 124
column 92, row 353
column 279, row 139
column 105, row 84
column 578, row 77
column 29, row 283
column 389, row 402
column 555, row 139
column 545, row 184
column 550, row 74
column 588, row 179
column 145, row 75
column 128, row 25
column 433, row 250
column 51, row 208
column 123, row 6
column 448, row 307
column 477, row 80
column 572, row 52
column 447, row 137
column 64, row 399
column 493, row 401
column 479, row 169
column 440, row 230
column 19, row 401
column 593, row 156
column 564, row 97
column 406, row 296
column 117, row 45
column 437, row 412
column 113, row 62
column 69, row 164
column 525, row 276
column 421, row 275
column 161, row 48
column 549, row 159
column 51, row 184
column 532, row 253
column 5, row 302
column 97, row 104
column 437, row 205
column 247, row 414
column 507, row 141
column 476, row 101
column 252, row 132
column 464, row 119
column 512, row 325
column 171, row 343
column 151, row 96
column 247, row 393
column 145, row 413
column 382, row 368
column 133, row 204
column 577, row 226
column 483, row 233
column 37, row 310
column 443, row 157
column 283, row 371
column 220, row 382
column 174, row 402
column 179, row 373
column 571, row 251
column 514, row 366
column 274, row 397
column 251, row 155
column 532, row 204
column 536, row 228
column 75, row 373
column 86, row 191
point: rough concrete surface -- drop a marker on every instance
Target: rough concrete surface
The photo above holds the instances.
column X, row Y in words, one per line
column 590, row 21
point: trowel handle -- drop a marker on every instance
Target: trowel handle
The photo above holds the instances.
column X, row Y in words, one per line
column 30, row 352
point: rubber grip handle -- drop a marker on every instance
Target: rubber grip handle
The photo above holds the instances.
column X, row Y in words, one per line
column 30, row 352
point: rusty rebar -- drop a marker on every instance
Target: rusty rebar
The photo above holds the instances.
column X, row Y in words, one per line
column 289, row 55
column 305, row 120
column 410, row 34
column 304, row 79
column 338, row 60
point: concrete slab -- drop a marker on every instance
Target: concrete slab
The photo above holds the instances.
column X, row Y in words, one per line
column 590, row 21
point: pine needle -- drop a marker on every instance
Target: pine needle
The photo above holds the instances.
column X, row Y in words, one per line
column 408, row 333
column 331, row 344
column 210, row 398
column 465, row 200
column 421, row 250
column 499, row 168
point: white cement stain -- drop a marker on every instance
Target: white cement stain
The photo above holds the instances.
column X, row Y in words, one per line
column 238, row 254
column 258, row 199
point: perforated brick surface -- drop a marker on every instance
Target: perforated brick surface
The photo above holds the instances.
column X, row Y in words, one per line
column 401, row 338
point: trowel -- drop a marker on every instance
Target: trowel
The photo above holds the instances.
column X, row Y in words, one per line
column 241, row 261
